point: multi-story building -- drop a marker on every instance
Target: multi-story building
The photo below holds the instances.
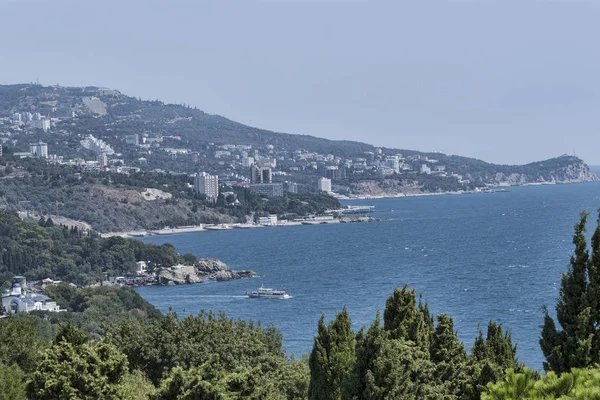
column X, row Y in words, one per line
column 247, row 162
column 266, row 162
column 207, row 184
column 425, row 169
column 335, row 173
column 324, row 185
column 39, row 149
column 103, row 159
column 267, row 189
column 0, row 150
column 132, row 139
column 41, row 123
column 261, row 175
column 16, row 119
column 393, row 162
column 291, row 187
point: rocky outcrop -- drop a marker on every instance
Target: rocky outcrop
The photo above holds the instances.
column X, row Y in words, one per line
column 202, row 270
column 573, row 170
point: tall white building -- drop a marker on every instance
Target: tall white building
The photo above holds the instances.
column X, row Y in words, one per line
column 42, row 123
column 207, row 184
column 39, row 149
column 103, row 159
column 16, row 119
column 393, row 162
column 325, row 185
column 247, row 162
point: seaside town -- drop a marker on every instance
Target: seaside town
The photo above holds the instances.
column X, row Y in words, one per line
column 266, row 170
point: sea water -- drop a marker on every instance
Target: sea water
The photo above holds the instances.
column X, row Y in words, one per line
column 476, row 257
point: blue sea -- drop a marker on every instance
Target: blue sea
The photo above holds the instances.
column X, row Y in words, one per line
column 476, row 257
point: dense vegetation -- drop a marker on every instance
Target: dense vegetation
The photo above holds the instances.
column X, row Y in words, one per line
column 69, row 254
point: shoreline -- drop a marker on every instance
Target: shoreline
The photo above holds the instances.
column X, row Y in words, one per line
column 229, row 226
column 492, row 189
column 232, row 226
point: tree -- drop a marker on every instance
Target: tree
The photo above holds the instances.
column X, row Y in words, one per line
column 577, row 384
column 404, row 319
column 491, row 357
column 332, row 358
column 12, row 384
column 576, row 345
column 81, row 371
column 449, row 356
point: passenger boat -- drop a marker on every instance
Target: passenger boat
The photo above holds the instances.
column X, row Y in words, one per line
column 267, row 293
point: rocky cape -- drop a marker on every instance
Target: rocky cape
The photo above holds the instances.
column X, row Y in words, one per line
column 202, row 270
column 559, row 170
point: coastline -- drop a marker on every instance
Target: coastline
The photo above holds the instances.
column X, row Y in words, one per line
column 226, row 227
column 492, row 189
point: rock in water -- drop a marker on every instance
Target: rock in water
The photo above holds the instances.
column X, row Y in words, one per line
column 202, row 270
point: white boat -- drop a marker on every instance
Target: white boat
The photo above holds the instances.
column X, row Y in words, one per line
column 267, row 293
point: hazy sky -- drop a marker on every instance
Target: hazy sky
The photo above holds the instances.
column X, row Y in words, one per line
column 504, row 81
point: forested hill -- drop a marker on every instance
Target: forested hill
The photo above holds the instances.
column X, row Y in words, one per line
column 109, row 114
column 43, row 250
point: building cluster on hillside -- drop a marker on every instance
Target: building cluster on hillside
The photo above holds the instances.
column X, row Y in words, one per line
column 19, row 299
column 267, row 169
column 33, row 120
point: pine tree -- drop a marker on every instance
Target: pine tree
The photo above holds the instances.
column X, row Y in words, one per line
column 572, row 347
column 332, row 358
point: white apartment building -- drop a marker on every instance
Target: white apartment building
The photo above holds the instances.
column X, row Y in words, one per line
column 325, row 185
column 393, row 162
column 39, row 149
column 42, row 123
column 207, row 184
column 247, row 162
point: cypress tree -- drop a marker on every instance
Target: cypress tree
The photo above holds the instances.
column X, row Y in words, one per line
column 388, row 368
column 332, row 358
column 449, row 357
column 572, row 347
column 402, row 318
column 593, row 293
column 491, row 357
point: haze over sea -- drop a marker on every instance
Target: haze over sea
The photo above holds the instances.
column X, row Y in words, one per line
column 476, row 257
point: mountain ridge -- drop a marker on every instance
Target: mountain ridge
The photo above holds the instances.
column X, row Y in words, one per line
column 213, row 119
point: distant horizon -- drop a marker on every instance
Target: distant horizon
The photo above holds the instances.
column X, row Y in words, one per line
column 442, row 76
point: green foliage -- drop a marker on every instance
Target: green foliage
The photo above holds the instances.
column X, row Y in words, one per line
column 157, row 348
column 405, row 320
column 12, row 382
column 21, row 343
column 448, row 356
column 577, row 345
column 135, row 386
column 332, row 357
column 81, row 371
column 578, row 384
column 72, row 255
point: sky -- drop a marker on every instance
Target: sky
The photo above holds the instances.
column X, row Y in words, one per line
column 504, row 81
